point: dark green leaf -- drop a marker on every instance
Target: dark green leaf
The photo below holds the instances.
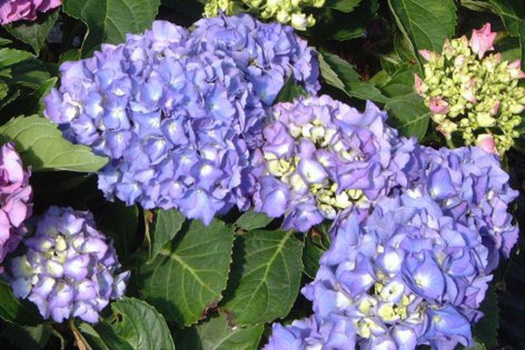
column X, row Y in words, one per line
column 92, row 337
column 251, row 221
column 119, row 222
column 290, row 91
column 340, row 74
column 343, row 5
column 401, row 82
column 216, row 334
column 352, row 25
column 27, row 337
column 426, row 23
column 316, row 243
column 34, row 33
column 187, row 278
column 42, row 146
column 135, row 324
column 409, row 115
column 265, row 278
column 486, row 330
column 9, row 57
column 165, row 226
column 16, row 310
column 512, row 12
column 522, row 44
column 108, row 21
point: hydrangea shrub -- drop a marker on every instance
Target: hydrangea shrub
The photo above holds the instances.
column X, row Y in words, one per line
column 173, row 181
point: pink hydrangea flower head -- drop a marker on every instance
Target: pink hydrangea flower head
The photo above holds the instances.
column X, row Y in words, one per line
column 15, row 10
column 15, row 199
column 482, row 39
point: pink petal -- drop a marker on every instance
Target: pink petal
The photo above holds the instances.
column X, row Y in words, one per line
column 482, row 40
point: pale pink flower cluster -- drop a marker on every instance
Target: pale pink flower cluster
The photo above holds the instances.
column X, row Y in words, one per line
column 474, row 93
column 15, row 10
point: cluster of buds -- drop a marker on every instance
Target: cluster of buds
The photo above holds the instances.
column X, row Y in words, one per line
column 15, row 200
column 321, row 156
column 284, row 11
column 16, row 10
column 473, row 93
column 69, row 269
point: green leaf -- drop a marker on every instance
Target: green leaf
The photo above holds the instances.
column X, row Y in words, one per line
column 251, row 221
column 522, row 44
column 265, row 278
column 15, row 310
column 316, row 243
column 350, row 25
column 135, row 324
column 9, row 57
column 92, row 337
column 188, row 277
column 42, row 146
column 512, row 12
column 109, row 21
column 4, row 90
column 409, row 115
column 165, row 226
column 426, row 23
column 27, row 337
column 34, row 33
column 400, row 83
column 342, row 5
column 340, row 74
column 119, row 222
column 216, row 334
column 290, row 91
column 486, row 330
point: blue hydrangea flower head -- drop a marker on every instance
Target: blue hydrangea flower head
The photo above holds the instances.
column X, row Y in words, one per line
column 179, row 113
column 337, row 333
column 321, row 156
column 69, row 269
column 471, row 187
column 406, row 275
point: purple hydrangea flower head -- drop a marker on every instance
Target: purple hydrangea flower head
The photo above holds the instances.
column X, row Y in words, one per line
column 321, row 156
column 178, row 113
column 15, row 200
column 69, row 268
column 471, row 187
column 403, row 276
column 15, row 10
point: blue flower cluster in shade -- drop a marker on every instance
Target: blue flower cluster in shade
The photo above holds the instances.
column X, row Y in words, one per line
column 178, row 112
column 69, row 269
column 415, row 268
